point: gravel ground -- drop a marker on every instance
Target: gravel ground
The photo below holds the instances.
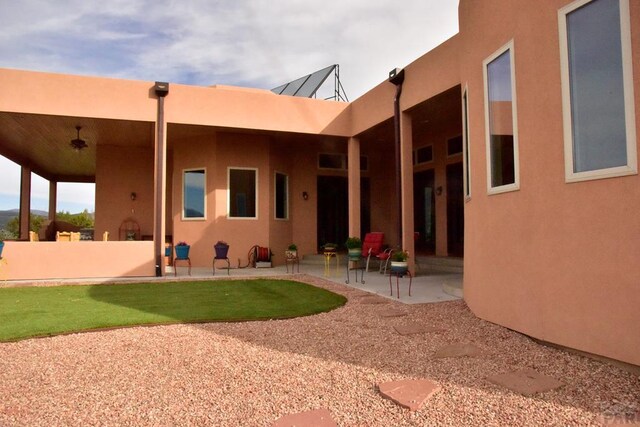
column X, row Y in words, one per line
column 252, row 373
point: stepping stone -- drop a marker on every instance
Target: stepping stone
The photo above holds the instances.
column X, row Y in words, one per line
column 409, row 393
column 458, row 350
column 313, row 418
column 526, row 382
column 392, row 313
column 372, row 300
column 416, row 328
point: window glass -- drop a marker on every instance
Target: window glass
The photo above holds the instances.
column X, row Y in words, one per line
column 454, row 146
column 242, row 193
column 424, row 154
column 597, row 86
column 501, row 135
column 332, row 161
column 465, row 125
column 193, row 194
column 282, row 197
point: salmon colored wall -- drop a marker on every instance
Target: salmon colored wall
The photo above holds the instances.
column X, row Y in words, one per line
column 70, row 260
column 304, row 212
column 553, row 260
column 384, row 212
column 280, row 231
column 119, row 172
column 255, row 109
column 65, row 95
column 216, row 153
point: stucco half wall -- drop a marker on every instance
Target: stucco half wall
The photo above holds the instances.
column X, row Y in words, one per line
column 74, row 260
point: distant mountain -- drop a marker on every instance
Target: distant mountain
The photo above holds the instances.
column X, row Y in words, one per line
column 5, row 216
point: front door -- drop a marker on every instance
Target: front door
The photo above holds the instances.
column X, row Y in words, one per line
column 424, row 207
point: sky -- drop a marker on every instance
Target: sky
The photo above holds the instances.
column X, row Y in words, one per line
column 251, row 43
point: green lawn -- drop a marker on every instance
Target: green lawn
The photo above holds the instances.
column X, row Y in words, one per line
column 41, row 311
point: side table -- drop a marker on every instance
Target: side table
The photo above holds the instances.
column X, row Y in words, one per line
column 175, row 265
column 399, row 275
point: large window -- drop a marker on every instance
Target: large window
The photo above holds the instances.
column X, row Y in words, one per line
column 243, row 186
column 501, row 121
column 194, row 195
column 597, row 89
column 282, row 196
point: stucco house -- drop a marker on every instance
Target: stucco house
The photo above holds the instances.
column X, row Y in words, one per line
column 518, row 152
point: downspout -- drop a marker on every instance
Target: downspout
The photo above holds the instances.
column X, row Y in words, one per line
column 396, row 76
column 161, row 90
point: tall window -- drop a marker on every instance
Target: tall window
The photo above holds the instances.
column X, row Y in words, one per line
column 597, row 89
column 243, row 184
column 501, row 125
column 194, row 194
column 465, row 136
column 282, row 196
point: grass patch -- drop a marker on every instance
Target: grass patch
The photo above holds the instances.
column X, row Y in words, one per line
column 42, row 311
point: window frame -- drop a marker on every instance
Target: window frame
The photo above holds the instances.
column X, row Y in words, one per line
column 275, row 196
column 515, row 185
column 235, row 218
column 182, row 216
column 631, row 168
column 466, row 156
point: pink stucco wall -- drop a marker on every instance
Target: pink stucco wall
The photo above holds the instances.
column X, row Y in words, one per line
column 554, row 260
column 53, row 260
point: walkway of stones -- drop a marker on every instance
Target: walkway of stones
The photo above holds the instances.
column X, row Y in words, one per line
column 413, row 394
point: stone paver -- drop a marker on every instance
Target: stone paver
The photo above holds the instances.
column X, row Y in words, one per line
column 416, row 328
column 458, row 350
column 526, row 382
column 392, row 312
column 313, row 418
column 372, row 300
column 411, row 394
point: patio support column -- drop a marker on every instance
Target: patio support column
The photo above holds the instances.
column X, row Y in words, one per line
column 53, row 199
column 354, row 186
column 160, row 180
column 406, row 168
column 25, row 203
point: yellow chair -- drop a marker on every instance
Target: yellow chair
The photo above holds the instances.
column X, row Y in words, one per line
column 75, row 237
column 33, row 236
column 63, row 236
column 105, row 236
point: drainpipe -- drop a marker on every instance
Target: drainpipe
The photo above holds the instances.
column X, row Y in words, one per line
column 161, row 90
column 396, row 76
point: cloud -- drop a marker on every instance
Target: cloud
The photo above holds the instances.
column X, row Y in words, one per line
column 253, row 43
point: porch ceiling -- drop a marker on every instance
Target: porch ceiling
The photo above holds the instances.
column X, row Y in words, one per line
column 41, row 142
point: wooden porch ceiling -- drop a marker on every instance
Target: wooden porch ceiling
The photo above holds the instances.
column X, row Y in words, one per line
column 41, row 142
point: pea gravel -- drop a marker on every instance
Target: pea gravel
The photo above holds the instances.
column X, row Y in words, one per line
column 252, row 373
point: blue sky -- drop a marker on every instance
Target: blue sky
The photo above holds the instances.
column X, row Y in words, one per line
column 253, row 43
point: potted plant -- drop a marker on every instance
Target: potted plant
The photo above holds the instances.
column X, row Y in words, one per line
column 1, row 246
column 291, row 252
column 182, row 250
column 329, row 247
column 222, row 249
column 354, row 246
column 399, row 263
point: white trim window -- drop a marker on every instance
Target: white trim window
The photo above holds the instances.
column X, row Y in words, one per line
column 503, row 172
column 465, row 143
column 194, row 194
column 281, row 196
column 597, row 90
column 242, row 194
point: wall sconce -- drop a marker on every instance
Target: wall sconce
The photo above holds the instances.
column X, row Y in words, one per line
column 305, row 195
column 438, row 190
column 134, row 196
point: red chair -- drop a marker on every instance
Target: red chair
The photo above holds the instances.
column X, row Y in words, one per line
column 372, row 246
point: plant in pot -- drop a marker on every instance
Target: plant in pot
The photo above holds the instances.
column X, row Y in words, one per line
column 182, row 250
column 222, row 249
column 329, row 247
column 291, row 252
column 399, row 263
column 1, row 246
column 354, row 246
